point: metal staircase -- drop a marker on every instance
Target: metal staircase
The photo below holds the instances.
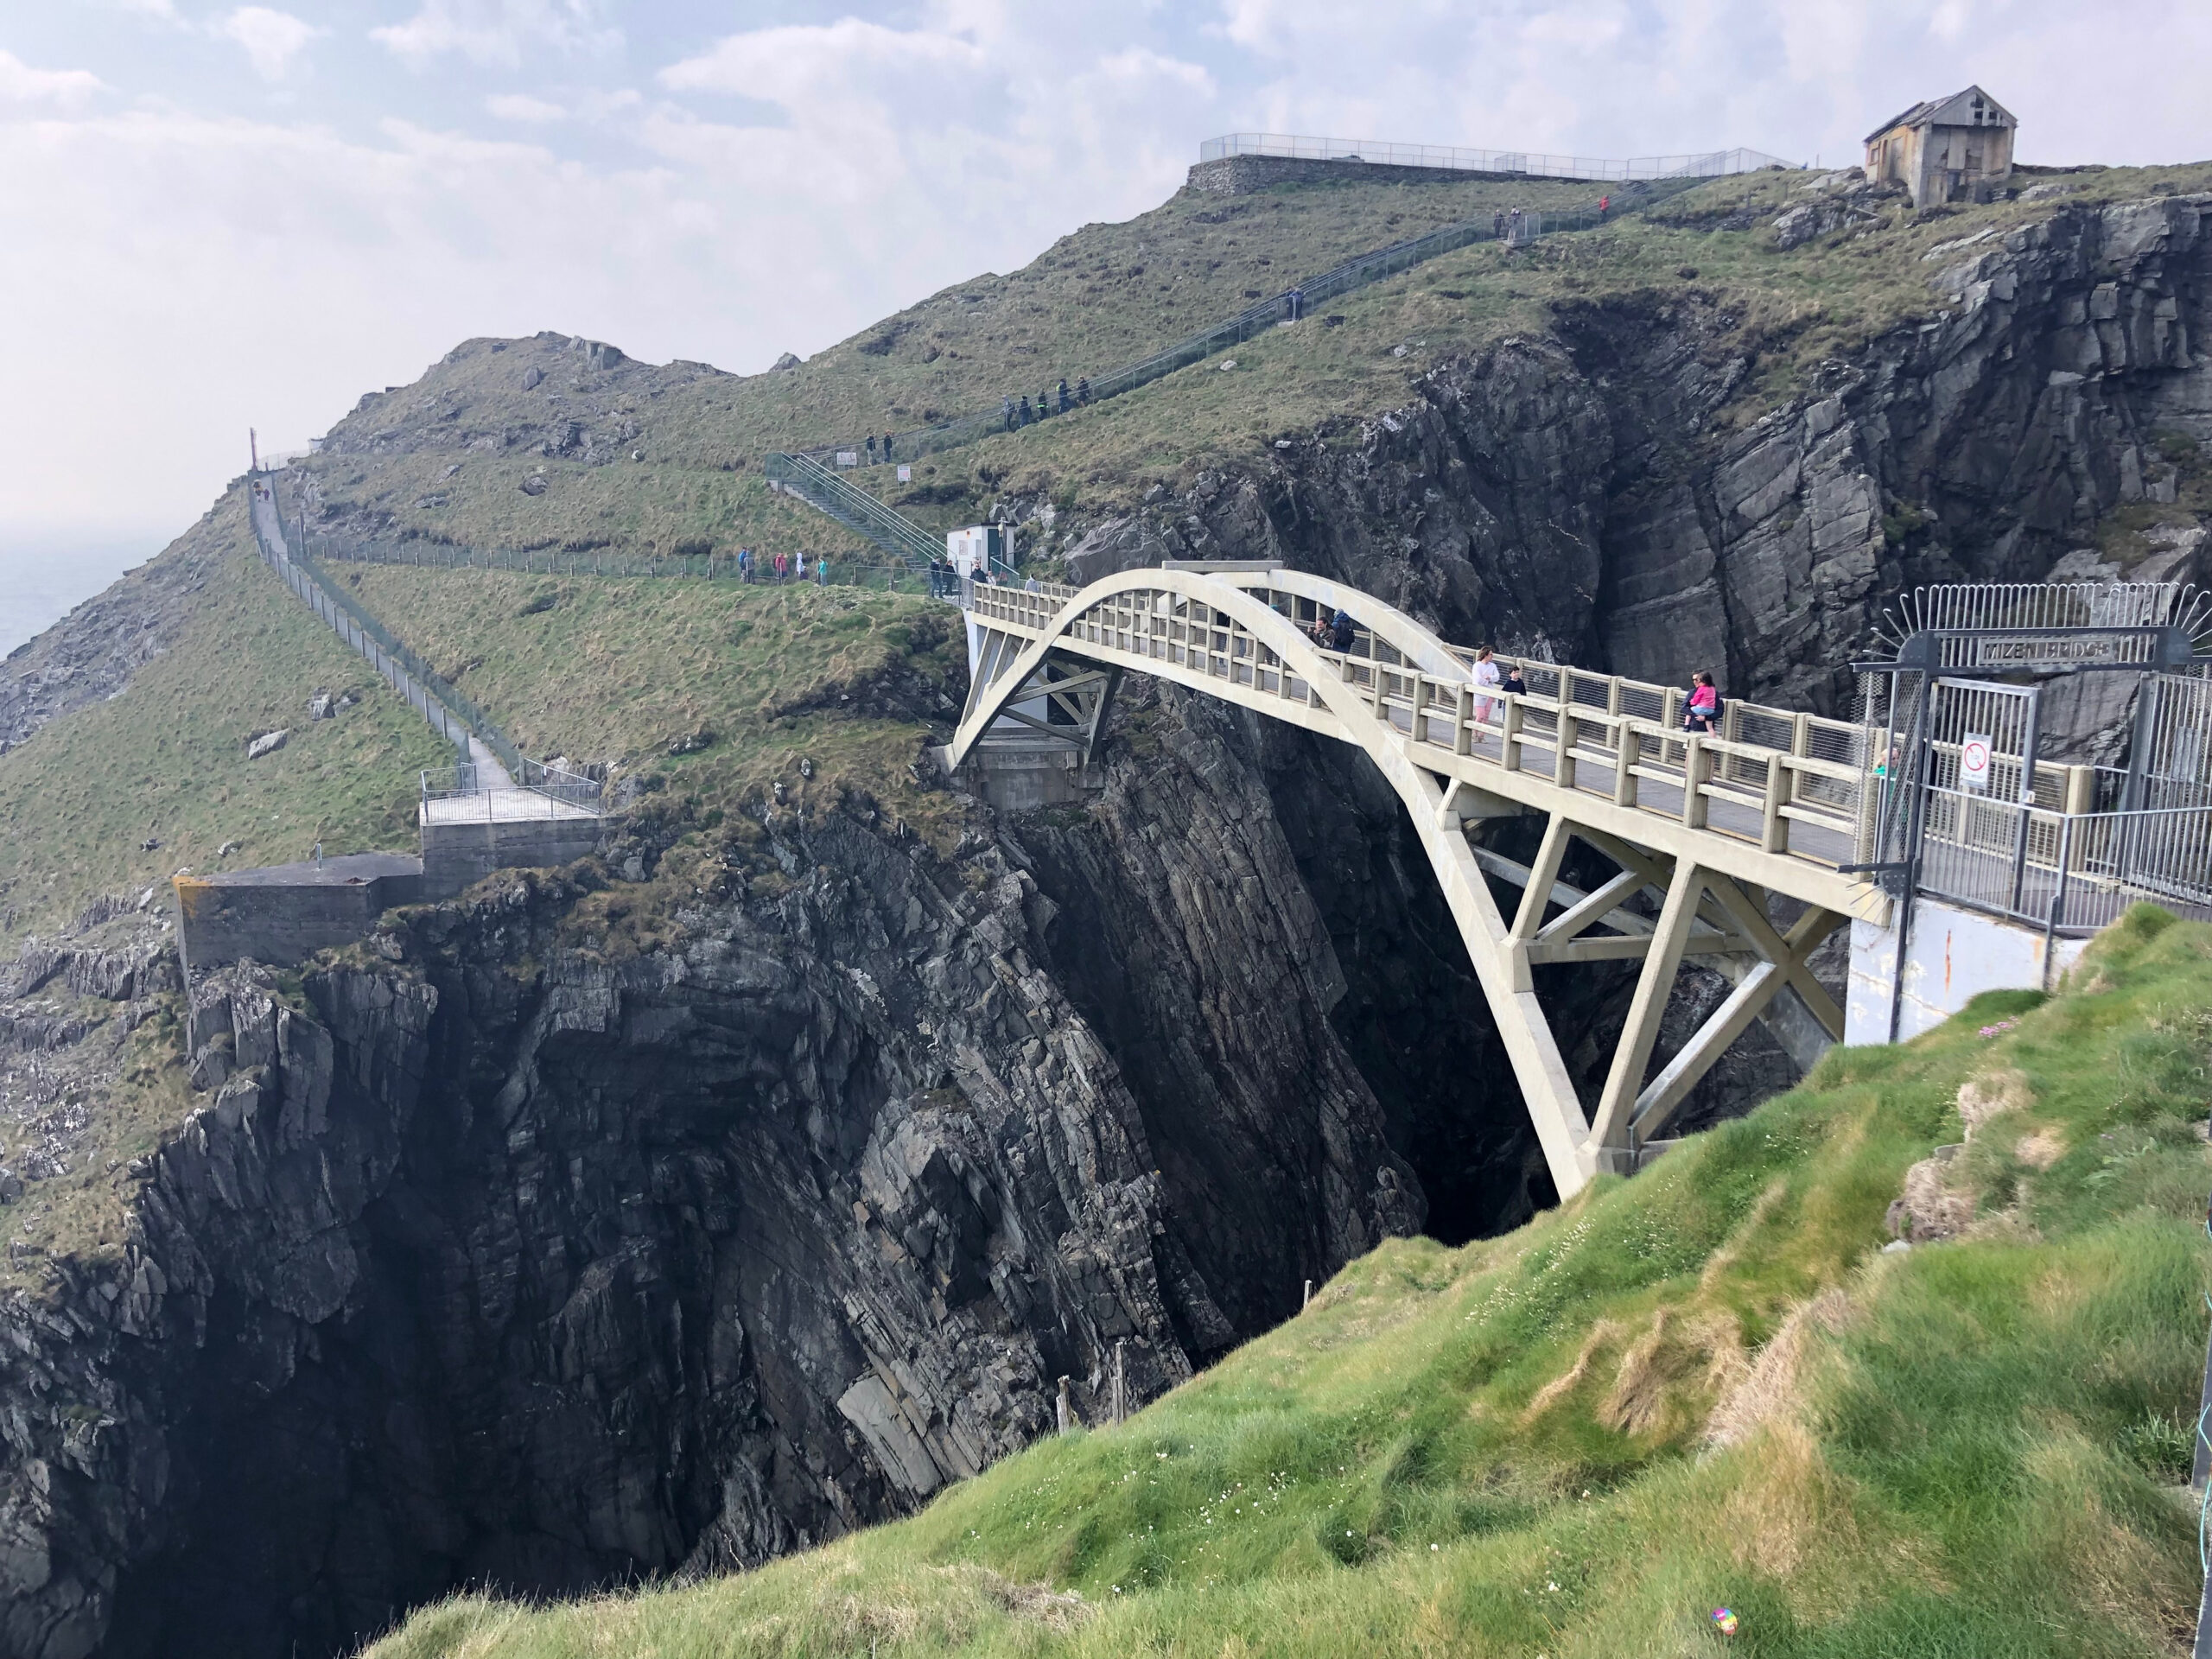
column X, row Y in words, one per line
column 855, row 509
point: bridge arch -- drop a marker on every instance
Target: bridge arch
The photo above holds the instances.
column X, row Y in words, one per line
column 1216, row 631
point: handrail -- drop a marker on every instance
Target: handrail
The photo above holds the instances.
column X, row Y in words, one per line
column 819, row 487
column 430, row 696
column 1291, row 304
column 1771, row 789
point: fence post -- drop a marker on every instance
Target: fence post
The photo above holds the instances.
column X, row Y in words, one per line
column 1693, row 803
column 1773, row 829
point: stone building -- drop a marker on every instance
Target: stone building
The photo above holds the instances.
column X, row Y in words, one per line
column 1954, row 149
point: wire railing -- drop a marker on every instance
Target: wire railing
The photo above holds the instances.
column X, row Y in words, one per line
column 2064, row 872
column 450, row 715
column 1710, row 164
column 822, row 490
column 416, row 553
column 553, row 784
column 1516, row 229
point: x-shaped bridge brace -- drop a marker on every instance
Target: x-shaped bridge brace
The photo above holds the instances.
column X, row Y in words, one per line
column 1702, row 913
column 1080, row 692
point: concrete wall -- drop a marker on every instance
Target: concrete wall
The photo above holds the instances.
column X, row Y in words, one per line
column 1017, row 775
column 457, row 855
column 1239, row 176
column 283, row 916
column 1953, row 955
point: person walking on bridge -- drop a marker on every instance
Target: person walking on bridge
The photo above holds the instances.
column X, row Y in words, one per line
column 1487, row 678
column 1343, row 630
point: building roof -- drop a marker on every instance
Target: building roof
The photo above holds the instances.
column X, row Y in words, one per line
column 1956, row 110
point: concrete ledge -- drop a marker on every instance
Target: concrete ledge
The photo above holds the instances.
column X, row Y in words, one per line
column 284, row 913
column 1015, row 774
column 458, row 856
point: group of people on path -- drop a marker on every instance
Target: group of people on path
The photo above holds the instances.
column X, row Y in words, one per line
column 780, row 567
column 1023, row 413
column 1512, row 225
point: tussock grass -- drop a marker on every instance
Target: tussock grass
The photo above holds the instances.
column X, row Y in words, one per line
column 1705, row 1386
column 166, row 760
column 782, row 680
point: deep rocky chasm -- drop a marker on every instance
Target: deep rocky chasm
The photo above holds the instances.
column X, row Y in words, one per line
column 485, row 1260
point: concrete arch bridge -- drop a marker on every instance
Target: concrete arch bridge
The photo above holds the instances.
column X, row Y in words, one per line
column 1777, row 802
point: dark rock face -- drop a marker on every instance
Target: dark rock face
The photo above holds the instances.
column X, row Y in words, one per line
column 470, row 1271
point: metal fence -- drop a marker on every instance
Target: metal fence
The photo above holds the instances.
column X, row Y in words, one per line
column 1517, row 230
column 2064, row 872
column 556, row 787
column 553, row 561
column 485, row 729
column 1711, row 164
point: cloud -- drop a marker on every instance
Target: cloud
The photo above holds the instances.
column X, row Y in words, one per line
column 518, row 106
column 272, row 39
column 495, row 31
column 66, row 89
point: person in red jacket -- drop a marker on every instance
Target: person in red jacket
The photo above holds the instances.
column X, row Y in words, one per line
column 1703, row 715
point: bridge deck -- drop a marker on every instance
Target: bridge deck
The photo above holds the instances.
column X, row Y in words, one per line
column 1779, row 797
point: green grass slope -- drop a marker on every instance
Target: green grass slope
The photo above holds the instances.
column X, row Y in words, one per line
column 1709, row 1386
column 822, row 690
column 165, row 760
column 446, row 457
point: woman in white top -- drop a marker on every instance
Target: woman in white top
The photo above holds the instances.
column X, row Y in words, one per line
column 1486, row 677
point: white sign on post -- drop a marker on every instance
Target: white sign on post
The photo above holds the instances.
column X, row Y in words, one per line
column 849, row 457
column 1974, row 762
column 905, row 474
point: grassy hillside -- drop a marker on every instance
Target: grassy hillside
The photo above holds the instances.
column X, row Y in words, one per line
column 447, row 457
column 749, row 683
column 166, row 762
column 1707, row 1386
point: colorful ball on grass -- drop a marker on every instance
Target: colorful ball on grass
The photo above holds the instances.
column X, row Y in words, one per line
column 1725, row 1619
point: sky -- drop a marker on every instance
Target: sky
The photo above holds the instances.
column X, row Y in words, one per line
column 215, row 217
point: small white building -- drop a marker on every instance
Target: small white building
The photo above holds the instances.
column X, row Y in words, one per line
column 1952, row 149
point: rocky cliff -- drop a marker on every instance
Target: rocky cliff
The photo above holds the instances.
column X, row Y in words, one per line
column 511, row 1250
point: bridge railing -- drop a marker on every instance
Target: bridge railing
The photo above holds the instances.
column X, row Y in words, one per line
column 1787, row 781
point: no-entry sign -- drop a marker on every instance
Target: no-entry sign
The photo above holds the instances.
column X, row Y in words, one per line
column 1974, row 762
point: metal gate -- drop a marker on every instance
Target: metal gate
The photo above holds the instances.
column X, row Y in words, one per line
column 2170, row 762
column 1978, row 783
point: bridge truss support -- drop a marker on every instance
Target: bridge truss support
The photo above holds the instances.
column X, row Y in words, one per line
column 1677, row 818
column 1704, row 914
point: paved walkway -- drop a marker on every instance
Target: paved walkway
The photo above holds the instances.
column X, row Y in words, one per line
column 490, row 774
